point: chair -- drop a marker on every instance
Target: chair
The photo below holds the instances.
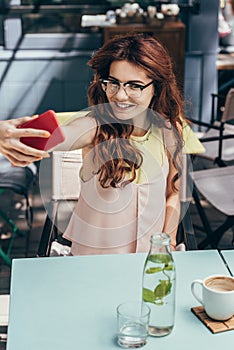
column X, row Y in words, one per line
column 216, row 184
column 16, row 180
column 65, row 190
column 219, row 134
column 185, row 233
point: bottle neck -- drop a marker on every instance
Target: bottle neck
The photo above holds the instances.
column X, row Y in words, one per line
column 160, row 243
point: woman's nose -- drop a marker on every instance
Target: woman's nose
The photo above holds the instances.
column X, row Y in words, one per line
column 122, row 94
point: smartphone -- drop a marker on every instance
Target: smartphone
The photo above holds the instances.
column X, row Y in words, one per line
column 46, row 121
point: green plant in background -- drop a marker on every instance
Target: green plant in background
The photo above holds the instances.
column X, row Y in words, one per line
column 163, row 288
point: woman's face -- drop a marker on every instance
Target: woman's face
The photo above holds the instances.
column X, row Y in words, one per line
column 128, row 100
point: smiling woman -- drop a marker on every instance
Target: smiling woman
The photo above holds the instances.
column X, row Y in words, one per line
column 131, row 141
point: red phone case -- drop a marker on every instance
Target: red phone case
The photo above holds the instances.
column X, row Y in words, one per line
column 46, row 121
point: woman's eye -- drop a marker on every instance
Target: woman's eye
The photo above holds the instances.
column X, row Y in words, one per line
column 134, row 86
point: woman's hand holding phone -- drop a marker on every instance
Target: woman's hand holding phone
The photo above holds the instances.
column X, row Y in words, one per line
column 15, row 134
column 46, row 121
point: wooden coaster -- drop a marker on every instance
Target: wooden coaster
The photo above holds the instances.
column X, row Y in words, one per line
column 214, row 326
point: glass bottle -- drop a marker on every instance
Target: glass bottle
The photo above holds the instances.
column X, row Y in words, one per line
column 159, row 285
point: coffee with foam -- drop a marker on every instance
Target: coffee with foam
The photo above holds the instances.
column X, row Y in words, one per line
column 220, row 283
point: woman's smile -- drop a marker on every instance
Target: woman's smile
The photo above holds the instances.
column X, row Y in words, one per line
column 123, row 105
column 123, row 108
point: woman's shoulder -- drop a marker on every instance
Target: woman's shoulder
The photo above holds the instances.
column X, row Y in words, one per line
column 76, row 118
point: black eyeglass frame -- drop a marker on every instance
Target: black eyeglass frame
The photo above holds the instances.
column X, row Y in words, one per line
column 141, row 87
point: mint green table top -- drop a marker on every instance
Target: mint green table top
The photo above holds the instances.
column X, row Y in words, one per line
column 229, row 257
column 69, row 303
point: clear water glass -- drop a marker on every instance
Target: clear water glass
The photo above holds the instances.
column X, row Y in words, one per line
column 132, row 323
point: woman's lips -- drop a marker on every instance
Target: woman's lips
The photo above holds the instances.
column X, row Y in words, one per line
column 122, row 107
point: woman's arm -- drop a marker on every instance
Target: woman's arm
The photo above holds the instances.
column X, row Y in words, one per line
column 79, row 133
column 14, row 150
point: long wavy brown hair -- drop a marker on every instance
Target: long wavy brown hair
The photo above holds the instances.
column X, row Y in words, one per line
column 118, row 157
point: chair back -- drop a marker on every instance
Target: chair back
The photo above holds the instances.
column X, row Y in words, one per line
column 65, row 175
column 228, row 113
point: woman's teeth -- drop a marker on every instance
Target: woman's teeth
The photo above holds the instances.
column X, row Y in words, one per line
column 123, row 105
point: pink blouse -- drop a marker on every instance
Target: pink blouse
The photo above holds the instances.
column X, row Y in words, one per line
column 121, row 220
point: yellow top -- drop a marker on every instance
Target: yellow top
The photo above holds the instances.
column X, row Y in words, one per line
column 192, row 145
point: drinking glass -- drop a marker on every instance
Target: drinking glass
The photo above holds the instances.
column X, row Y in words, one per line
column 132, row 322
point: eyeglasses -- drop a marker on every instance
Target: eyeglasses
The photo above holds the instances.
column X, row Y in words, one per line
column 112, row 87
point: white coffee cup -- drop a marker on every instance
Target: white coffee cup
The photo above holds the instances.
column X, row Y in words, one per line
column 216, row 295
